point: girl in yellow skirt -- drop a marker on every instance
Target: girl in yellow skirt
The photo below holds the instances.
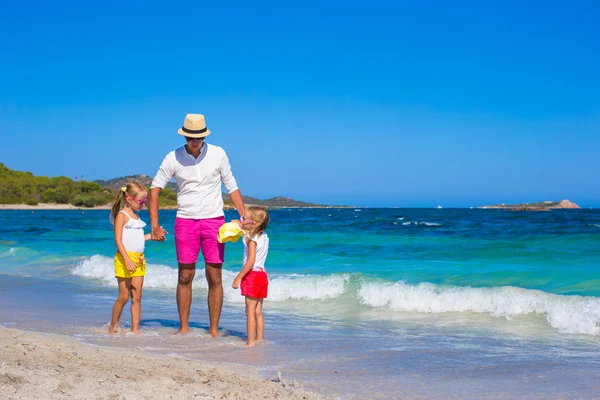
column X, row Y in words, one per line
column 130, row 264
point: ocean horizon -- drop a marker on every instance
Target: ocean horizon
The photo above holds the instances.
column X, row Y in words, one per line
column 364, row 302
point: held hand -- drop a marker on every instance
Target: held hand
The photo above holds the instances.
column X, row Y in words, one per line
column 130, row 265
column 158, row 234
column 236, row 283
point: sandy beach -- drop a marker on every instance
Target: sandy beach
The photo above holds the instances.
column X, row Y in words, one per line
column 50, row 206
column 47, row 366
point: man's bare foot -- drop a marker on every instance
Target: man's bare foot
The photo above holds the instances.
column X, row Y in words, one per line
column 182, row 331
column 112, row 329
column 214, row 333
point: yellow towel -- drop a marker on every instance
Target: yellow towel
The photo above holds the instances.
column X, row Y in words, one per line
column 230, row 232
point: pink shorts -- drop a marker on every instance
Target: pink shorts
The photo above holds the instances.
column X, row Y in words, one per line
column 193, row 234
column 255, row 284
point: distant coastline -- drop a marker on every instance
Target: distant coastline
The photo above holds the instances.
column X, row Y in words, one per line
column 539, row 206
column 54, row 206
column 50, row 206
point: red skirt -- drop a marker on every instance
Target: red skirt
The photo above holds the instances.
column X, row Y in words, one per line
column 255, row 284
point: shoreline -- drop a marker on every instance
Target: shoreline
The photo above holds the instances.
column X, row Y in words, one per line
column 57, row 207
column 50, row 206
column 48, row 366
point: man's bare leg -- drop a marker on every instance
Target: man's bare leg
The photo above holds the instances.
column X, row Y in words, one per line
column 215, row 296
column 184, row 295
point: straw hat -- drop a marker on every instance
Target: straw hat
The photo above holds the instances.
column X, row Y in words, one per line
column 194, row 126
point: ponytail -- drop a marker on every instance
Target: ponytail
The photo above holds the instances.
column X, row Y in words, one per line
column 117, row 205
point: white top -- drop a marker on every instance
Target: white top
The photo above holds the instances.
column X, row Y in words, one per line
column 198, row 179
column 262, row 249
column 133, row 234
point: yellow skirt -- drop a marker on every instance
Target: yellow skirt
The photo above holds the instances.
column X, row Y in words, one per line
column 121, row 270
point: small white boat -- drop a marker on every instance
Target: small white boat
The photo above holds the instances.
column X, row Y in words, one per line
column 439, row 206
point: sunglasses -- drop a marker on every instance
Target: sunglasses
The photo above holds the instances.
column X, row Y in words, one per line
column 189, row 139
column 140, row 202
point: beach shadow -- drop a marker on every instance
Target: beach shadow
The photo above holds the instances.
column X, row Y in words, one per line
column 171, row 323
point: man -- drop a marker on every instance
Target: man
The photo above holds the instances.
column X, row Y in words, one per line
column 199, row 169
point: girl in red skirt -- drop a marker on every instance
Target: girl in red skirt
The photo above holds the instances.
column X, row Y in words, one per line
column 253, row 277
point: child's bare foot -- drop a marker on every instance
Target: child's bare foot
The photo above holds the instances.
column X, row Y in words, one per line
column 250, row 344
column 182, row 331
column 112, row 329
column 214, row 333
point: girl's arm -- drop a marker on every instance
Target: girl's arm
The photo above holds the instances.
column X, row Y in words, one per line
column 119, row 223
column 248, row 265
column 148, row 236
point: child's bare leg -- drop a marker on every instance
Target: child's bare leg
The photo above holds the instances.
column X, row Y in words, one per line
column 260, row 322
column 124, row 287
column 136, row 302
column 250, row 319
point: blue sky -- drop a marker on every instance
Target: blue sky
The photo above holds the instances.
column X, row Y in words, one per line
column 378, row 103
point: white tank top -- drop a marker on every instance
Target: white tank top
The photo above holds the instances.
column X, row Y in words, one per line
column 133, row 234
column 262, row 249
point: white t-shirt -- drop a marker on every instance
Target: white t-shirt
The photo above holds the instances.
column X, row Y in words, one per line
column 198, row 179
column 262, row 249
column 133, row 234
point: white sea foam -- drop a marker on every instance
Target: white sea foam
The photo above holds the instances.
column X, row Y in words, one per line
column 570, row 314
column 307, row 287
column 421, row 223
column 281, row 288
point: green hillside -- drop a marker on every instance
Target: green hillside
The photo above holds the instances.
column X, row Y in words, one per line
column 18, row 187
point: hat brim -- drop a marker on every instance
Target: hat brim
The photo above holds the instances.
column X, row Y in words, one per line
column 194, row 135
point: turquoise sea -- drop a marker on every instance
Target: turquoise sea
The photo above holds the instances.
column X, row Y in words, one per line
column 363, row 303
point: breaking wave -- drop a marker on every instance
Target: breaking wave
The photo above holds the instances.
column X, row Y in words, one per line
column 568, row 314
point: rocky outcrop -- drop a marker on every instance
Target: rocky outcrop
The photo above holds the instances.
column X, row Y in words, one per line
column 566, row 204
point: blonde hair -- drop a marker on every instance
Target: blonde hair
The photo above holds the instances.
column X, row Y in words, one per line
column 132, row 189
column 261, row 218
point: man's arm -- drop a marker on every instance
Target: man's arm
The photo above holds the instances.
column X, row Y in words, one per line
column 231, row 186
column 163, row 176
column 158, row 233
column 238, row 202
